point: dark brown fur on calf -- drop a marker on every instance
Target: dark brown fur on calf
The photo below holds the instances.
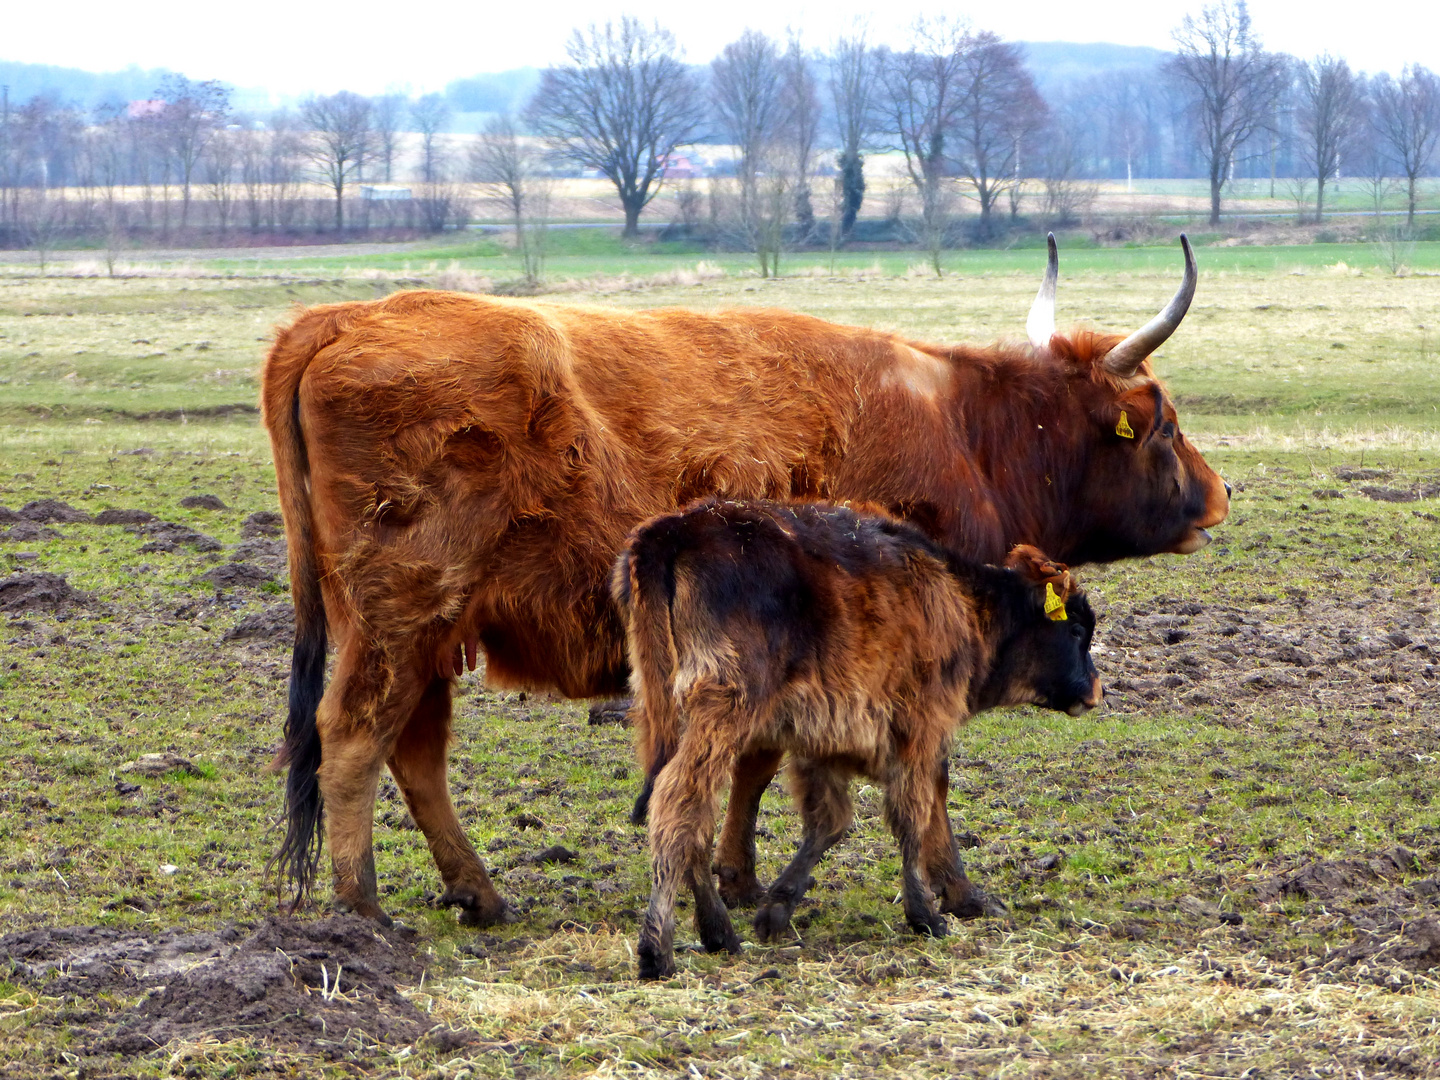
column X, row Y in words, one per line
column 847, row 639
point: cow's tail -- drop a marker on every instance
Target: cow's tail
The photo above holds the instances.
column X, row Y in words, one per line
column 297, row 860
column 644, row 589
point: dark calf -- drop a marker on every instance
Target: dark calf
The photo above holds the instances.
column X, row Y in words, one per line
column 850, row 641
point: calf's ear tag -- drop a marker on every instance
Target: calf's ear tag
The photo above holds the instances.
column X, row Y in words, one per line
column 1123, row 428
column 1054, row 606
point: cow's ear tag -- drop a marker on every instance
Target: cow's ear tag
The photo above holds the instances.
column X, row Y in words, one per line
column 1054, row 606
column 1123, row 428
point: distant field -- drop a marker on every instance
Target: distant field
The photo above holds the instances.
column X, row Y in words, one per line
column 1231, row 870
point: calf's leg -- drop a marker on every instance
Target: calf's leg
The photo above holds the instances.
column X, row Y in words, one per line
column 419, row 762
column 682, row 827
column 909, row 806
column 959, row 896
column 822, row 791
column 735, row 853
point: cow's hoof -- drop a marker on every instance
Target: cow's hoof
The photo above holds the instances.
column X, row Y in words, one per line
column 366, row 909
column 771, row 920
column 738, row 889
column 477, row 908
column 655, row 963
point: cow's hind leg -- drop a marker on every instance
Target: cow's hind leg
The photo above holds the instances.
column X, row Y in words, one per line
column 419, row 763
column 822, row 792
column 358, row 720
column 735, row 853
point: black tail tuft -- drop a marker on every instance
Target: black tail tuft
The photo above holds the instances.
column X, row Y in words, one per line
column 298, row 859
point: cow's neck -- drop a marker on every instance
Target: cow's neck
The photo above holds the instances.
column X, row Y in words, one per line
column 1018, row 424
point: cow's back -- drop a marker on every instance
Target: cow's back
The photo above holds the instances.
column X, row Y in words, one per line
column 480, row 461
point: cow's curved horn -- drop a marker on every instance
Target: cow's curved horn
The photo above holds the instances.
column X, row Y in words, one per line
column 1040, row 326
column 1125, row 358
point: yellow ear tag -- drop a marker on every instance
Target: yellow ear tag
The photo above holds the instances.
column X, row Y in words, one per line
column 1123, row 427
column 1054, row 606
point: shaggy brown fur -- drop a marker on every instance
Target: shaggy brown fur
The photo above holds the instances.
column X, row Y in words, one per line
column 845, row 638
column 458, row 472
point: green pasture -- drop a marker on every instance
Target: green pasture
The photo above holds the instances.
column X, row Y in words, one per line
column 1151, row 944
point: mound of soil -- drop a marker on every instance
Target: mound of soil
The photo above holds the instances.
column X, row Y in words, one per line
column 8, row 516
column 237, row 575
column 123, row 517
column 38, row 591
column 262, row 523
column 299, row 984
column 203, row 502
column 1414, row 945
column 258, row 548
column 168, row 536
column 46, row 510
column 1327, row 880
column 1400, row 495
column 275, row 625
column 27, row 531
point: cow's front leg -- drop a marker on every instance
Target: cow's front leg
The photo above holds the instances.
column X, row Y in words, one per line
column 958, row 895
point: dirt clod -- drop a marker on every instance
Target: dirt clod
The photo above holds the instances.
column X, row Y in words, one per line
column 46, row 510
column 262, row 523
column 203, row 502
column 123, row 517
column 315, row 985
column 27, row 532
column 38, row 591
column 159, row 765
column 556, row 853
column 238, row 575
column 168, row 536
column 275, row 625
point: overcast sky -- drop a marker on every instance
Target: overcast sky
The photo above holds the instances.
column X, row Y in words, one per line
column 300, row 46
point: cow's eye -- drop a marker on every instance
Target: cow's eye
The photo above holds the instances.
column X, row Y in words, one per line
column 1167, row 429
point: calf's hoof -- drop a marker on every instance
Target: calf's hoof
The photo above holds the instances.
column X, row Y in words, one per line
column 738, row 888
column 972, row 904
column 478, row 908
column 655, row 962
column 718, row 934
column 930, row 923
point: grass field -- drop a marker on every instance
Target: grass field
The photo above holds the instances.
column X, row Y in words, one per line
column 1230, row 870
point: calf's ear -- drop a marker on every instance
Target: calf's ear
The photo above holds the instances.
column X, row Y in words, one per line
column 1053, row 579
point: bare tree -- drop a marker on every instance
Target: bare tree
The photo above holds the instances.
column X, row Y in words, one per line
column 385, row 114
column 507, row 169
column 1067, row 193
column 1230, row 81
column 748, row 91
column 340, row 141
column 923, row 87
column 621, row 106
column 1406, row 117
column 999, row 110
column 853, row 73
column 430, row 114
column 1328, row 118
column 193, row 112
column 802, row 124
column 218, row 164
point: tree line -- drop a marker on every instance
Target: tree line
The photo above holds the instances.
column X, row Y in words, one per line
column 957, row 106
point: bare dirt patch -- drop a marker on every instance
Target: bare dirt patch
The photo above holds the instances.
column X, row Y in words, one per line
column 328, row 987
column 40, row 591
